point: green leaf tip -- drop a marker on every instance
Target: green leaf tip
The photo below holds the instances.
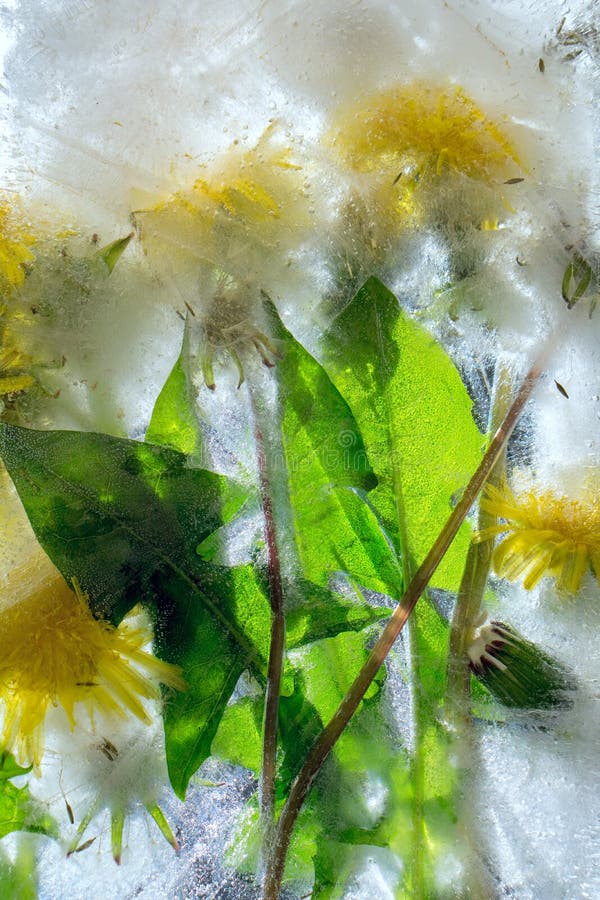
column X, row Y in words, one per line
column 517, row 672
column 112, row 253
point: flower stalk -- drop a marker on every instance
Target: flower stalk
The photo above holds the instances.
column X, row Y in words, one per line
column 277, row 632
column 477, row 568
column 276, row 652
column 467, row 611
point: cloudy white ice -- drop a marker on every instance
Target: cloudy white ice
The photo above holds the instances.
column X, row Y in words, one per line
column 104, row 104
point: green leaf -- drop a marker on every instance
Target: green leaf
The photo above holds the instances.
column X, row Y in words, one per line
column 175, row 419
column 18, row 876
column 328, row 470
column 239, row 736
column 337, row 804
column 338, row 809
column 414, row 414
column 179, row 422
column 415, row 417
column 323, row 613
column 125, row 518
column 576, row 280
column 18, row 810
column 9, row 768
column 112, row 512
column 213, row 651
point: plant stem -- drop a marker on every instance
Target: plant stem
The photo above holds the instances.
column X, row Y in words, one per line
column 276, row 652
column 458, row 687
column 477, row 567
column 332, row 731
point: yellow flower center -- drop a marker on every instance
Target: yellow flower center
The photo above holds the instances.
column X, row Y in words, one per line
column 55, row 653
column 15, row 253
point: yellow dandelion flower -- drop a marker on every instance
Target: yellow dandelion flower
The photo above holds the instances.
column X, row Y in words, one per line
column 15, row 252
column 546, row 534
column 425, row 127
column 14, row 365
column 413, row 135
column 55, row 653
column 245, row 196
column 224, row 240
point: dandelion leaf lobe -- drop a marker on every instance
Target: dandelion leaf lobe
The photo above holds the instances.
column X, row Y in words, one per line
column 18, row 810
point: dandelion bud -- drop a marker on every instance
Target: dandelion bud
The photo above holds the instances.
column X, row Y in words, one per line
column 516, row 672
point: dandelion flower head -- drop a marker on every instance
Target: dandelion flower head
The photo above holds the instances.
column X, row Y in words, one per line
column 227, row 241
column 544, row 534
column 15, row 255
column 15, row 249
column 123, row 773
column 55, row 653
column 419, row 135
column 15, row 363
column 247, row 199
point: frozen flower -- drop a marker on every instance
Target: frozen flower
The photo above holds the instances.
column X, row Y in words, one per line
column 55, row 653
column 15, row 249
column 423, row 154
column 44, row 317
column 515, row 671
column 68, row 267
column 546, row 534
column 227, row 239
column 420, row 156
column 14, row 365
column 248, row 202
column 422, row 131
column 15, row 255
